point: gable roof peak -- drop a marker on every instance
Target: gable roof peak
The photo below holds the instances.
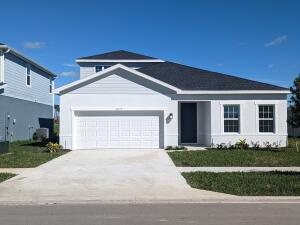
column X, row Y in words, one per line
column 118, row 55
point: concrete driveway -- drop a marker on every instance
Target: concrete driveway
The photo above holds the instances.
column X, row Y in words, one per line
column 103, row 176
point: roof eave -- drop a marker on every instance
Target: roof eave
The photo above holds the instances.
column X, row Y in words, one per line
column 27, row 59
column 119, row 60
column 187, row 92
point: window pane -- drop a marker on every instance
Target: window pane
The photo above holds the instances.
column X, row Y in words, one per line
column 98, row 69
column 27, row 70
column 266, row 126
column 231, row 118
column 28, row 80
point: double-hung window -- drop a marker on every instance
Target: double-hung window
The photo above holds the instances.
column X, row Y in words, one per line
column 231, row 118
column 28, row 75
column 100, row 68
column 266, row 118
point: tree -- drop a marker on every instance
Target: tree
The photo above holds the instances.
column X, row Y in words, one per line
column 294, row 118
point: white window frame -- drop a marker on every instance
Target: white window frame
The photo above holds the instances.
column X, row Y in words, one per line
column 28, row 75
column 102, row 67
column 238, row 119
column 273, row 119
column 1, row 67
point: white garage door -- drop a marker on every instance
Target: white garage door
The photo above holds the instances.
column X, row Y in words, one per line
column 116, row 130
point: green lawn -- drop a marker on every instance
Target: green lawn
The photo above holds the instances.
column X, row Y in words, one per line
column 247, row 184
column 282, row 157
column 26, row 154
column 5, row 176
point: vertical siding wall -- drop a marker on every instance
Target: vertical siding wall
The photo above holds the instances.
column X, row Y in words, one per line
column 15, row 77
column 87, row 69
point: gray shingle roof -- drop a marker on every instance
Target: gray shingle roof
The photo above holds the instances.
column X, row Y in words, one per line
column 119, row 55
column 190, row 78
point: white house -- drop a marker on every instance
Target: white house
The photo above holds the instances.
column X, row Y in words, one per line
column 128, row 100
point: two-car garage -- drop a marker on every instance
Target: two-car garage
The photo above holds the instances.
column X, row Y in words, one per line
column 118, row 129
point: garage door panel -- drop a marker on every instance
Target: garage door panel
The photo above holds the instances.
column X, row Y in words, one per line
column 117, row 131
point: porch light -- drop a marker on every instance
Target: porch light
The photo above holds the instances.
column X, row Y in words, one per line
column 171, row 115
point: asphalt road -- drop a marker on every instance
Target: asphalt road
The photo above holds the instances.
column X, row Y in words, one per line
column 142, row 214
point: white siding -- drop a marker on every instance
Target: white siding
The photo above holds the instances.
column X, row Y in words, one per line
column 15, row 77
column 249, row 128
column 87, row 69
column 113, row 84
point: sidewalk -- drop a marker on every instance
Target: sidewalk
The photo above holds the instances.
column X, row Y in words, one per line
column 237, row 169
column 14, row 170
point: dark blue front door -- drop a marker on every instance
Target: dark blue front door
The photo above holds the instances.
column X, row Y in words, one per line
column 188, row 123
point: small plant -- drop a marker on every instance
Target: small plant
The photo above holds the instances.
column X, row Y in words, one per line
column 222, row 146
column 35, row 137
column 176, row 147
column 275, row 145
column 230, row 146
column 53, row 147
column 255, row 145
column 242, row 144
column 268, row 145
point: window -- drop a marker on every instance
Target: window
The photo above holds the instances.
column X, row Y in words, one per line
column 51, row 87
column 100, row 68
column 266, row 118
column 231, row 118
column 28, row 75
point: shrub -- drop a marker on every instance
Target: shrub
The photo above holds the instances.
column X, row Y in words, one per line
column 53, row 147
column 221, row 146
column 267, row 145
column 176, row 148
column 255, row 145
column 35, row 137
column 242, row 144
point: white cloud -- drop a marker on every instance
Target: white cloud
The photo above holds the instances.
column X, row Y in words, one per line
column 69, row 74
column 270, row 66
column 34, row 45
column 220, row 64
column 70, row 65
column 276, row 41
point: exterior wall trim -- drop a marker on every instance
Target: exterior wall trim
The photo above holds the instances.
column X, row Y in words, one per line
column 1, row 67
column 235, row 92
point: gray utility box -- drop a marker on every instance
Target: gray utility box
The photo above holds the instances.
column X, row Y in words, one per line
column 42, row 133
column 4, row 147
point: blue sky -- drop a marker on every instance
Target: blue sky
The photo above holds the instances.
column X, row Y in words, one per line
column 252, row 39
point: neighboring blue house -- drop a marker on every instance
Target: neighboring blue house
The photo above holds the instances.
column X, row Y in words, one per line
column 26, row 98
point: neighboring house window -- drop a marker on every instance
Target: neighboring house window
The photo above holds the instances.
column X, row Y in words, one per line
column 100, row 68
column 28, row 75
column 51, row 87
column 266, row 118
column 231, row 118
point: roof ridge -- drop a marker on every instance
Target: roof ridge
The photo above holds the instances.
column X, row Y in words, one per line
column 123, row 54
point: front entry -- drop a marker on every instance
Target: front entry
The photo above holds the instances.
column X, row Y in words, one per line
column 188, row 122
